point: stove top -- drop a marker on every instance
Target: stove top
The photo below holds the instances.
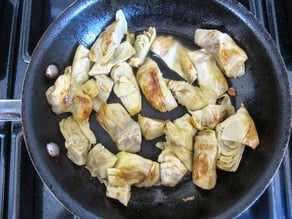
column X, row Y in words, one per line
column 22, row 194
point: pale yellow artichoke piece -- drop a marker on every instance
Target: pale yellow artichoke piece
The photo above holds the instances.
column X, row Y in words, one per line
column 154, row 87
column 175, row 56
column 127, row 88
column 58, row 95
column 179, row 139
column 205, row 157
column 124, row 131
column 172, row 169
column 67, row 96
column 89, row 87
column 123, row 52
column 104, row 85
column 81, row 64
column 229, row 154
column 124, row 80
column 121, row 193
column 72, row 133
column 142, row 46
column 133, row 169
column 211, row 115
column 229, row 56
column 151, row 128
column 210, row 78
column 107, row 42
column 99, row 159
column 187, row 95
column 240, row 128
column 78, row 139
column 87, row 132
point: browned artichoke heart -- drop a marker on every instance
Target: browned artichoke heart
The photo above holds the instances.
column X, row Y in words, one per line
column 151, row 128
column 99, row 159
column 104, row 85
column 127, row 88
column 131, row 169
column 81, row 64
column 187, row 95
column 59, row 96
column 107, row 42
column 229, row 56
column 142, row 45
column 211, row 115
column 175, row 56
column 172, row 169
column 179, row 139
column 233, row 134
column 123, row 52
column 240, row 128
column 78, row 139
column 154, row 87
column 67, row 96
column 124, row 131
column 81, row 106
column 205, row 157
column 210, row 79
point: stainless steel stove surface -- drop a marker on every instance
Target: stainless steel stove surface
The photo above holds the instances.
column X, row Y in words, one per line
column 22, row 194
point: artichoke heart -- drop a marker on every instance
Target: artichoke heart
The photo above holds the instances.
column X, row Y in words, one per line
column 81, row 64
column 142, row 45
column 99, row 159
column 127, row 88
column 90, row 88
column 67, row 96
column 172, row 169
column 229, row 154
column 205, row 158
column 121, row 193
column 81, row 107
column 210, row 78
column 78, row 139
column 104, row 85
column 151, row 128
column 124, row 131
column 107, row 42
column 123, row 52
column 175, row 56
column 154, row 87
column 240, row 128
column 233, row 134
column 133, row 169
column 179, row 138
column 211, row 115
column 59, row 96
column 187, row 95
column 229, row 56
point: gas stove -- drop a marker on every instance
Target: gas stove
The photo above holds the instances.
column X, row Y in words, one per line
column 22, row 194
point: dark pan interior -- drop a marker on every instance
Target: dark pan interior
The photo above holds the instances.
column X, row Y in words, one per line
column 263, row 90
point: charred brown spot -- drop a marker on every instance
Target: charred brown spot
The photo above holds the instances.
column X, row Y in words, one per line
column 231, row 91
column 201, row 167
column 155, row 95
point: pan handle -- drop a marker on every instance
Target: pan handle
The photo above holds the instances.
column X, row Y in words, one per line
column 10, row 110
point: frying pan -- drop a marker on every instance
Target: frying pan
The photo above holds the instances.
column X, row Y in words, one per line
column 264, row 90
